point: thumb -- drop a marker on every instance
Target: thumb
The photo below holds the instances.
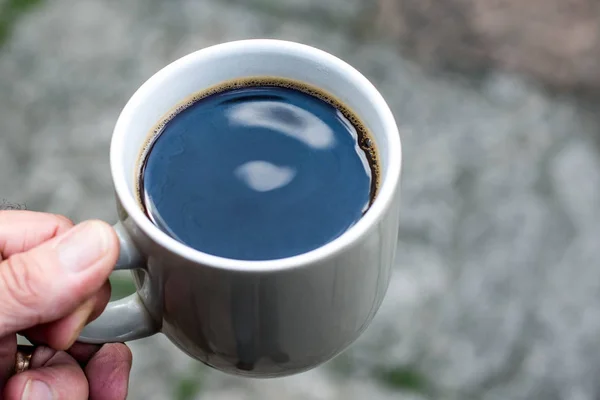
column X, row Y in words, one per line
column 50, row 281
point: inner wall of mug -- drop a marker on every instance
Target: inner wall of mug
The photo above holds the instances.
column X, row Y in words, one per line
column 216, row 65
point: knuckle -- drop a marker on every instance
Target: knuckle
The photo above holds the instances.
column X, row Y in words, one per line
column 65, row 377
column 18, row 282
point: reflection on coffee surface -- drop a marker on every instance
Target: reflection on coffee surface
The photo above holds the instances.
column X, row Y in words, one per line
column 258, row 169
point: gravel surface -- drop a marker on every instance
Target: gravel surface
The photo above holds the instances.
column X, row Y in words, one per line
column 496, row 294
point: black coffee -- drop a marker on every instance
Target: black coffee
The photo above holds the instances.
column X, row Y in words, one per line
column 257, row 170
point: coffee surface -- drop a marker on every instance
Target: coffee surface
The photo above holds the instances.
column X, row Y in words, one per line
column 258, row 171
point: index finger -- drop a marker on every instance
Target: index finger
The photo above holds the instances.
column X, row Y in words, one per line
column 23, row 230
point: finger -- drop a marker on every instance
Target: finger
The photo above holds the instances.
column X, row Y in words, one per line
column 56, row 375
column 102, row 298
column 51, row 280
column 108, row 372
column 23, row 230
column 8, row 351
column 61, row 334
column 83, row 352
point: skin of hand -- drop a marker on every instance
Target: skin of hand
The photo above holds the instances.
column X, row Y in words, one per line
column 53, row 281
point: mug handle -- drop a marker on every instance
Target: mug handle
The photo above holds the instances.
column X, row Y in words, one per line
column 126, row 319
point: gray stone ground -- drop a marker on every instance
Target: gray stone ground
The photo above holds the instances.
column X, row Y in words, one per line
column 496, row 294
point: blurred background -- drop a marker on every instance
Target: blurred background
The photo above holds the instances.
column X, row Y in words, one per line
column 496, row 292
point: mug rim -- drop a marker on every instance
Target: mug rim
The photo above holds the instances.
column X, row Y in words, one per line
column 388, row 185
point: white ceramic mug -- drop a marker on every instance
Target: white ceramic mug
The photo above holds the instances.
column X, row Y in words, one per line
column 254, row 318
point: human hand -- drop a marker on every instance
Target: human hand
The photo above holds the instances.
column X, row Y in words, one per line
column 53, row 281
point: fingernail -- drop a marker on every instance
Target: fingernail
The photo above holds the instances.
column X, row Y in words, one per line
column 37, row 390
column 83, row 246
